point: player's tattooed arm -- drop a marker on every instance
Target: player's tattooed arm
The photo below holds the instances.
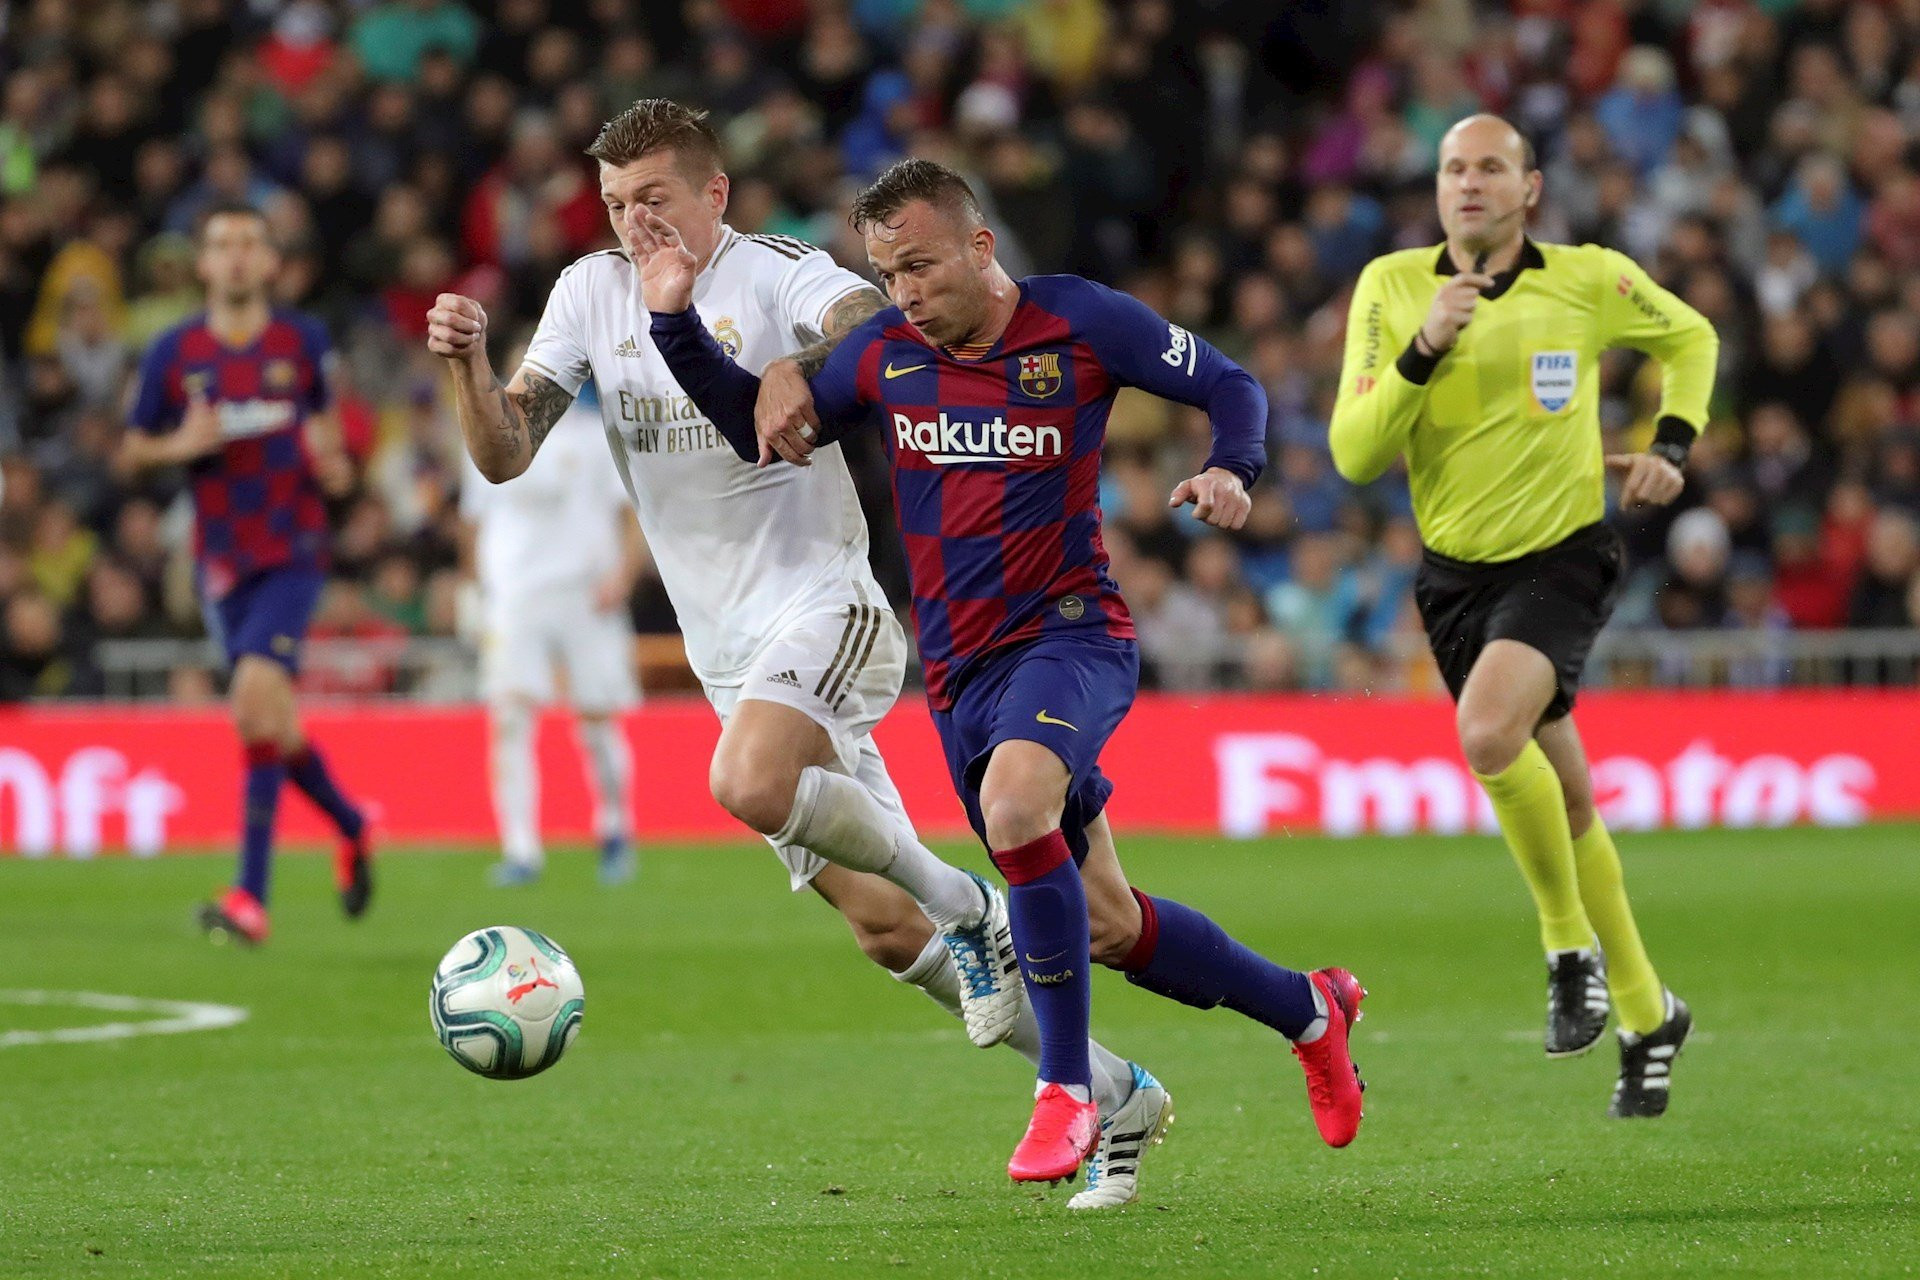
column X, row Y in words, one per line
column 842, row 319
column 527, row 415
column 784, row 417
column 503, row 426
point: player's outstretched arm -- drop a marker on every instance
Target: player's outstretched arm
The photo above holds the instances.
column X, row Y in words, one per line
column 1142, row 349
column 784, row 417
column 504, row 426
column 721, row 389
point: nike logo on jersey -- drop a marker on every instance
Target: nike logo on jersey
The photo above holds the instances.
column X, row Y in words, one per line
column 892, row 372
column 1044, row 718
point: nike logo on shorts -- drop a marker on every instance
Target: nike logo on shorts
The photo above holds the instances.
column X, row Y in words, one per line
column 1044, row 718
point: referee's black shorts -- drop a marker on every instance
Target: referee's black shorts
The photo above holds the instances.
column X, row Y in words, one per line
column 1554, row 600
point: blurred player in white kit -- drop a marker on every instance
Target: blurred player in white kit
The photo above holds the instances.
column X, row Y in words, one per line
column 556, row 551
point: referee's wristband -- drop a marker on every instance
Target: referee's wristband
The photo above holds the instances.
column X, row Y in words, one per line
column 1672, row 439
column 1416, row 364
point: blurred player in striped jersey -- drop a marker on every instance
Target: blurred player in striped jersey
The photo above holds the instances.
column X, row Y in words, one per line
column 555, row 552
column 993, row 395
column 239, row 396
column 785, row 627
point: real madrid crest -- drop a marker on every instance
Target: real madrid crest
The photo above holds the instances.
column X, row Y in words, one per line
column 727, row 334
column 1040, row 374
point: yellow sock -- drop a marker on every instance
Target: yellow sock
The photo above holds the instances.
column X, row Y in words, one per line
column 1638, row 997
column 1532, row 810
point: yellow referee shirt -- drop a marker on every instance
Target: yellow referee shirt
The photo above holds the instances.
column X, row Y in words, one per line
column 1503, row 436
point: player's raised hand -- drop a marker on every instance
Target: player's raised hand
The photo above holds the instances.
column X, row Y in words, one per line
column 457, row 327
column 199, row 432
column 1452, row 309
column 1218, row 497
column 784, row 416
column 1645, row 480
column 667, row 266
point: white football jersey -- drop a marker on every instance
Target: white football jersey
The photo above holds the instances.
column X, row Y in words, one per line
column 557, row 524
column 741, row 549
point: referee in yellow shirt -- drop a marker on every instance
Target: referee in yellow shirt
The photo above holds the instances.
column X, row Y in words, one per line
column 1480, row 361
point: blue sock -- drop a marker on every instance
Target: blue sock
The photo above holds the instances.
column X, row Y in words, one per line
column 1185, row 956
column 260, row 797
column 1047, row 907
column 307, row 770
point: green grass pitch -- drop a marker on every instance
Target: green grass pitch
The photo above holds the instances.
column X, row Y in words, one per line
column 750, row 1098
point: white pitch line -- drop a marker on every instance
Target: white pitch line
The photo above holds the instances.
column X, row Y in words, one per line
column 182, row 1015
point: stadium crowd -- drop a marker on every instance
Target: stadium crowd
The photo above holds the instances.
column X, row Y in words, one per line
column 1231, row 163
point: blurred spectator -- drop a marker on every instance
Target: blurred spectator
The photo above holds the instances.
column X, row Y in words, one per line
column 366, row 667
column 1823, row 211
column 91, row 353
column 391, row 37
column 168, row 291
column 1688, row 590
column 1810, row 587
column 1311, row 607
column 36, row 658
column 62, row 552
column 1643, row 113
column 1893, row 558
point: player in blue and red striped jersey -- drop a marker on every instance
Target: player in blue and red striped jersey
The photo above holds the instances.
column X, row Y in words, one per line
column 238, row 395
column 994, row 396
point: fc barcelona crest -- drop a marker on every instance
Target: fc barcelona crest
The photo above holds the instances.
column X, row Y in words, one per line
column 1040, row 374
column 280, row 375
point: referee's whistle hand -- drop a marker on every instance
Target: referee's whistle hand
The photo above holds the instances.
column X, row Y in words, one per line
column 1218, row 497
column 1453, row 308
column 1645, row 481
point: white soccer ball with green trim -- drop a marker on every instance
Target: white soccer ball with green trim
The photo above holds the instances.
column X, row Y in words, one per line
column 506, row 1002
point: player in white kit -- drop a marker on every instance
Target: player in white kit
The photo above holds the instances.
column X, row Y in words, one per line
column 785, row 626
column 556, row 552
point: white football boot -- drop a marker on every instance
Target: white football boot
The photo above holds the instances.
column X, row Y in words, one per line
column 1113, row 1171
column 990, row 990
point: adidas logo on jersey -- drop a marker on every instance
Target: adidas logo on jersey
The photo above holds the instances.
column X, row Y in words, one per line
column 628, row 348
column 788, row 677
column 947, row 440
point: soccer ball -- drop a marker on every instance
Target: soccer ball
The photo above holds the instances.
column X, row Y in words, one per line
column 506, row 1002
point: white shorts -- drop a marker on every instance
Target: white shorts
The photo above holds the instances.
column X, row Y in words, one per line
column 526, row 635
column 841, row 667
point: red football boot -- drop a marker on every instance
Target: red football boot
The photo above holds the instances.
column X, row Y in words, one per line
column 1063, row 1133
column 238, row 915
column 1333, row 1082
column 353, row 870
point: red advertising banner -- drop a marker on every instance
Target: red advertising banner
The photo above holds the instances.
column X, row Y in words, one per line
column 76, row 781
